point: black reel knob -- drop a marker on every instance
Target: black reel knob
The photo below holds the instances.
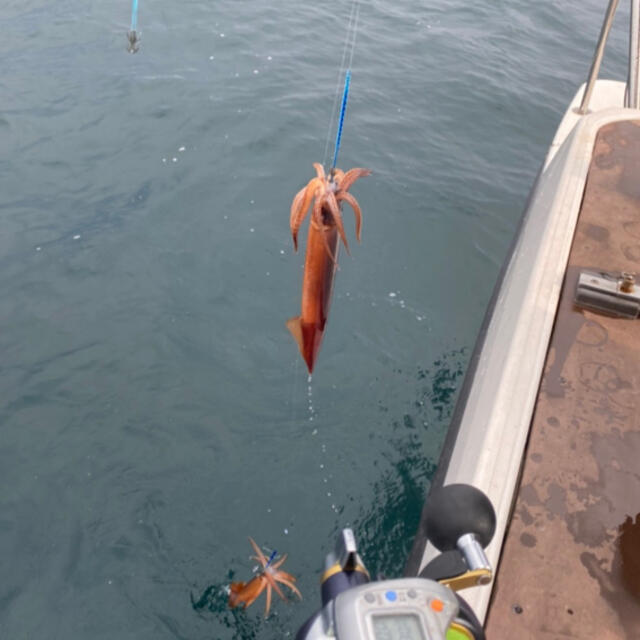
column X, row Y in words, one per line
column 456, row 510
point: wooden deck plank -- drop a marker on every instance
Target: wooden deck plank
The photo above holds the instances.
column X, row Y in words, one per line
column 570, row 566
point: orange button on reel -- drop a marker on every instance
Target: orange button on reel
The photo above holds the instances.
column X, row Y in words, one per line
column 436, row 605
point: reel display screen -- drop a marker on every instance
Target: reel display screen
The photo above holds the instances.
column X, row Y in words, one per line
column 402, row 609
column 397, row 627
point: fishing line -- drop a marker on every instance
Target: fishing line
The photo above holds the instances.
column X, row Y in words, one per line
column 344, row 70
column 294, row 391
column 337, row 92
column 134, row 16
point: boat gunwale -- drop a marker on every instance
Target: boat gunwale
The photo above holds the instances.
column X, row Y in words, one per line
column 571, row 184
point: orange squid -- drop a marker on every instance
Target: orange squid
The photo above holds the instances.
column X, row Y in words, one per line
column 324, row 195
column 271, row 574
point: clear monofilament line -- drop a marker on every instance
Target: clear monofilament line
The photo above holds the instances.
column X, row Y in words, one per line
column 336, row 96
column 348, row 51
column 354, row 33
column 294, row 390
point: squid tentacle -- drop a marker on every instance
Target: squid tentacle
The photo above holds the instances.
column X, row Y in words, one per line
column 285, row 575
column 319, row 170
column 327, row 192
column 348, row 198
column 334, row 209
column 351, row 176
column 260, row 556
column 274, row 584
column 296, row 217
column 267, row 605
column 279, row 563
column 291, row 586
column 300, row 207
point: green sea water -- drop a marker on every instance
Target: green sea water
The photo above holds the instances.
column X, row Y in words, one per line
column 154, row 411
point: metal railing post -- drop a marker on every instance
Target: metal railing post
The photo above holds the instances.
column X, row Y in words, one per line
column 633, row 80
column 597, row 57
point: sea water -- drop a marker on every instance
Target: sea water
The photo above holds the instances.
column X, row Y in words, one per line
column 155, row 411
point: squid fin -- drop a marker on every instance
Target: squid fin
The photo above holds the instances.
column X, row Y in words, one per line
column 293, row 324
column 308, row 340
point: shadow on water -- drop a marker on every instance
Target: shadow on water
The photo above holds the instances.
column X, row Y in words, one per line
column 385, row 529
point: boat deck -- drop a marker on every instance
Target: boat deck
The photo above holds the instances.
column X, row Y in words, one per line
column 570, row 564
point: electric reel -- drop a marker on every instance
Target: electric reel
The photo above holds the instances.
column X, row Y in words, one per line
column 460, row 524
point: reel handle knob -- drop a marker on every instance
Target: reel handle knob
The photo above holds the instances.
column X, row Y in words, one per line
column 457, row 510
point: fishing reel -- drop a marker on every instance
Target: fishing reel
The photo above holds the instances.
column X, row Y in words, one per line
column 460, row 524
